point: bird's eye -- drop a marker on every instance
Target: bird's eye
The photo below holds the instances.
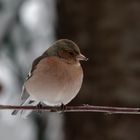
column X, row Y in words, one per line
column 71, row 53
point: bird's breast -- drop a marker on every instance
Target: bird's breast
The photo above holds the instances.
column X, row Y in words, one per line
column 55, row 81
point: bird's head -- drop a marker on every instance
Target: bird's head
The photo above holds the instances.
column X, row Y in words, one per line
column 67, row 50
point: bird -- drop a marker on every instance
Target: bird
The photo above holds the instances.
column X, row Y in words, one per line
column 55, row 77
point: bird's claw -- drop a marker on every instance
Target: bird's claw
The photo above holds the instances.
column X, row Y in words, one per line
column 62, row 107
column 39, row 107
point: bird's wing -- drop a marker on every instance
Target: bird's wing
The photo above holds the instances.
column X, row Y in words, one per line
column 25, row 113
column 35, row 62
column 24, row 94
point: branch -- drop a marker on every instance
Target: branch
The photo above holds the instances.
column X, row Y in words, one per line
column 82, row 108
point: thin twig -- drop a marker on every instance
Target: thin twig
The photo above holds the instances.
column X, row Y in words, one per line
column 82, row 108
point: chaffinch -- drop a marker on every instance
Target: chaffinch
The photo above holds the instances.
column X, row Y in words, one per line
column 55, row 77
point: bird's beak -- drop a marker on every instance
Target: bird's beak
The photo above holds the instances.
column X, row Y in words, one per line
column 81, row 57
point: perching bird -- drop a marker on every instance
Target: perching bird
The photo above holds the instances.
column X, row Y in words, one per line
column 55, row 78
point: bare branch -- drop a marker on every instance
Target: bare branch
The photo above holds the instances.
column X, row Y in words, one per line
column 82, row 108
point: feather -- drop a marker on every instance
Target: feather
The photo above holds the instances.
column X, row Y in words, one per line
column 24, row 94
column 25, row 113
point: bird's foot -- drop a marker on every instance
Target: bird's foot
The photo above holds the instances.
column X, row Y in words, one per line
column 62, row 107
column 39, row 107
column 59, row 109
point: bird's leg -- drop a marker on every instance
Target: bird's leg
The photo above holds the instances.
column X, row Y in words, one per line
column 62, row 107
column 59, row 109
column 39, row 107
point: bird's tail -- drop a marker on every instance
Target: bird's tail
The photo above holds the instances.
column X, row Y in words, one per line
column 25, row 113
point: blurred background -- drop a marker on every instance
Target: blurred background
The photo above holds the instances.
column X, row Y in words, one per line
column 107, row 31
